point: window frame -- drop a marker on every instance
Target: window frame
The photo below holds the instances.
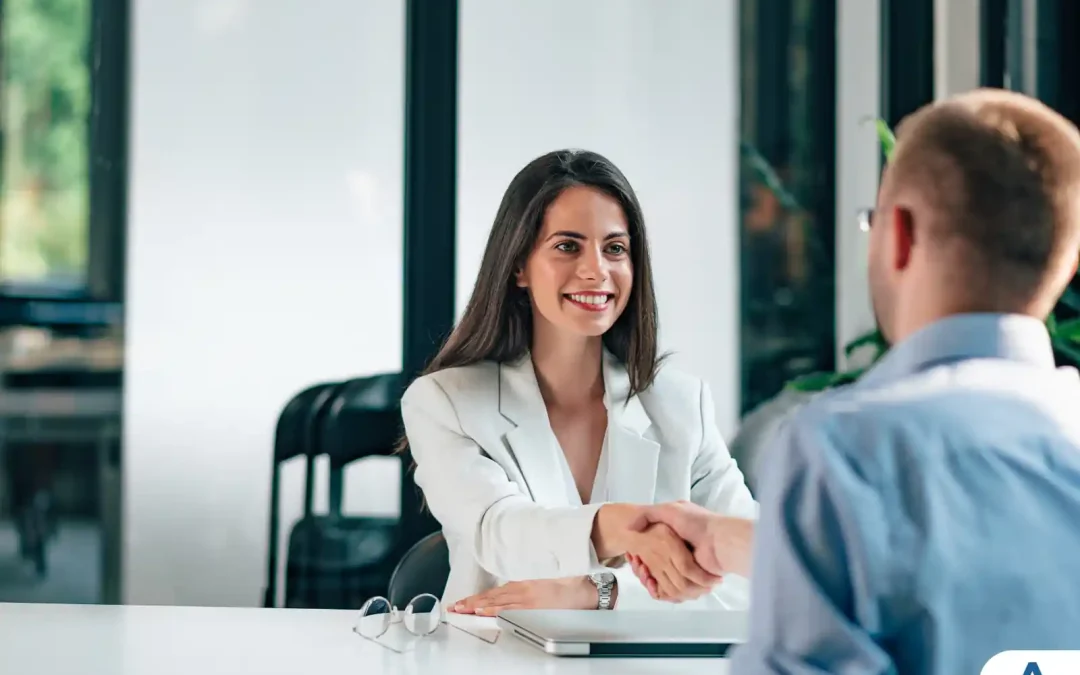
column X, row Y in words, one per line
column 97, row 301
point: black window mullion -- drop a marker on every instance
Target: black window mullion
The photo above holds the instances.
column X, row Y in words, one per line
column 907, row 44
column 992, row 15
column 108, row 148
column 430, row 209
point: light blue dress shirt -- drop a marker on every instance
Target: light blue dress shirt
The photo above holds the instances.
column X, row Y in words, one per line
column 926, row 517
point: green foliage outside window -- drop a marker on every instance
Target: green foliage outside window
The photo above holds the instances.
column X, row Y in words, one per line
column 44, row 179
column 873, row 339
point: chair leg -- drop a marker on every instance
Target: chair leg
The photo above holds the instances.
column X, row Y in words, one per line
column 270, row 592
column 337, row 489
column 309, row 485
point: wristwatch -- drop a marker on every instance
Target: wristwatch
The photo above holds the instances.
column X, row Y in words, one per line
column 605, row 586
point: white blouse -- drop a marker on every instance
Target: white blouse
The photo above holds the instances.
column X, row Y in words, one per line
column 496, row 479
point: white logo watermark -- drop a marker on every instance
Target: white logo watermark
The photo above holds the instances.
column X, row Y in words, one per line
column 1033, row 663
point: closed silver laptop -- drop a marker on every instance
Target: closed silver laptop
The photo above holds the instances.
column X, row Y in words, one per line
column 628, row 633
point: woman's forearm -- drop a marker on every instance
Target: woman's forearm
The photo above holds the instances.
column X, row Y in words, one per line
column 518, row 540
column 611, row 528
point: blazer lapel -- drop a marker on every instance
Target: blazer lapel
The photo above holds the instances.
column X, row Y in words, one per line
column 632, row 456
column 531, row 440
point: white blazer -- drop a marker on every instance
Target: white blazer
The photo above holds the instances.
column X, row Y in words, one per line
column 495, row 478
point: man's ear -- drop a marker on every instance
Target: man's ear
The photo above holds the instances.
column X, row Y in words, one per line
column 902, row 231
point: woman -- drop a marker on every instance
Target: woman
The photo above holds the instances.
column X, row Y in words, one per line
column 546, row 416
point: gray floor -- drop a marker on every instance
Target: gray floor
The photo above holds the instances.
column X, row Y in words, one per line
column 74, row 574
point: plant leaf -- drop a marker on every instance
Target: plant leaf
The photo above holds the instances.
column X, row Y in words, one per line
column 847, row 377
column 812, row 382
column 887, row 138
column 1068, row 349
column 1070, row 298
column 1065, row 331
column 872, row 338
column 767, row 175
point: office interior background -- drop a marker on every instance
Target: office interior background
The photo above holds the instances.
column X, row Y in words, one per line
column 208, row 206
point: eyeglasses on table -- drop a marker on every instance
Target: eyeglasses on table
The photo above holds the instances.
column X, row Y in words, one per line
column 420, row 618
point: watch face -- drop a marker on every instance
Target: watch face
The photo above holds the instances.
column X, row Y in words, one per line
column 603, row 578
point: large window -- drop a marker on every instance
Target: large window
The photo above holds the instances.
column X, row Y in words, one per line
column 45, row 95
column 788, row 83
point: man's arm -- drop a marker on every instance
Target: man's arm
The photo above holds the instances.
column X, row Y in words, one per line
column 722, row 544
column 807, row 552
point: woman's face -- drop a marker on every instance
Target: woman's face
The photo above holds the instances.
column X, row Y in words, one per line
column 579, row 273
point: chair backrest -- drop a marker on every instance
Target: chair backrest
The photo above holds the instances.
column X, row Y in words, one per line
column 291, row 432
column 363, row 419
column 423, row 569
column 293, row 437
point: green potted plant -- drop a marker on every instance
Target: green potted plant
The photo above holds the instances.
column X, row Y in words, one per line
column 815, row 382
column 757, row 428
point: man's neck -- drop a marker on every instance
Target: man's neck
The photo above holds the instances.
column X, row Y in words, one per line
column 924, row 315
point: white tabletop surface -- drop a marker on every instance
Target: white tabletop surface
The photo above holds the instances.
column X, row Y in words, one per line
column 132, row 640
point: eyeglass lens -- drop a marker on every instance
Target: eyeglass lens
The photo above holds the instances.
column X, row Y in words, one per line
column 422, row 615
column 375, row 617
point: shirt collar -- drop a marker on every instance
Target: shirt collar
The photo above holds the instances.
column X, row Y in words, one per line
column 1013, row 337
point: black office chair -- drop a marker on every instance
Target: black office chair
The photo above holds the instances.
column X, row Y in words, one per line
column 336, row 561
column 423, row 569
column 296, row 434
column 363, row 420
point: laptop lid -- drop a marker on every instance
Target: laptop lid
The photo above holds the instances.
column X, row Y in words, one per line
column 625, row 633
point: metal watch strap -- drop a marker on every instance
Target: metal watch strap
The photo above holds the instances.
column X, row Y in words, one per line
column 605, row 584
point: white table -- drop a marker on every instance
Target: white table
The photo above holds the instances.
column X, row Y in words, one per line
column 130, row 640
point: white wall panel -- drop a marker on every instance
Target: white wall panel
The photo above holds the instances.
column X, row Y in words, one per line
column 653, row 86
column 264, row 255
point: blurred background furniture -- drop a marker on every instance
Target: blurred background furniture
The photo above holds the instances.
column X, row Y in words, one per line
column 60, row 409
column 334, row 560
column 296, row 435
column 423, row 569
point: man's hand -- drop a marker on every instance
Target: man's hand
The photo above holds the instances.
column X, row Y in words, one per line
column 721, row 544
column 567, row 593
column 676, row 576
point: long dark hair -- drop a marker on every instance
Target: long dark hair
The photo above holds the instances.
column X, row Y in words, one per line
column 498, row 321
column 497, row 324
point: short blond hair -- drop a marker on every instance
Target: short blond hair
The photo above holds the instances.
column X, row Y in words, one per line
column 1002, row 170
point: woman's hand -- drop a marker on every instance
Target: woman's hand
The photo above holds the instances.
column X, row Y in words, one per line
column 722, row 543
column 568, row 593
column 612, row 527
column 658, row 554
column 641, row 571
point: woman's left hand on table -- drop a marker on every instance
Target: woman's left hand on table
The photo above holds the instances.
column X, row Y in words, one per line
column 567, row 593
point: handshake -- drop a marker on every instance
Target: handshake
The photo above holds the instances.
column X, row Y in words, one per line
column 678, row 550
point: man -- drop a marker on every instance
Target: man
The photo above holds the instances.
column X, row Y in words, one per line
column 928, row 516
